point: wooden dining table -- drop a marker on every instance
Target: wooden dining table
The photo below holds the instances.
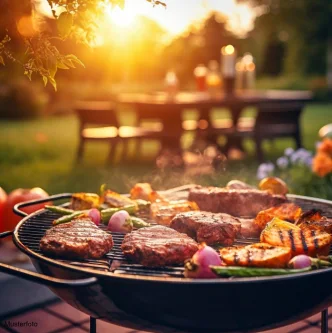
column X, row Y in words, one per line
column 169, row 109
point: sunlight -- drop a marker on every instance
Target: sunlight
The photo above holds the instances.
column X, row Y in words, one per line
column 121, row 17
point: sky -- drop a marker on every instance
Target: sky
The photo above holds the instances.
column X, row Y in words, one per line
column 179, row 14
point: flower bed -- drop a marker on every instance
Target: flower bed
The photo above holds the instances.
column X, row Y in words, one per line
column 304, row 173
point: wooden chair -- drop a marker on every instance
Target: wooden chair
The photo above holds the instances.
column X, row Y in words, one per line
column 273, row 120
column 100, row 114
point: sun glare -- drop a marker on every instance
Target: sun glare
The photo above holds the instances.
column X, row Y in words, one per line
column 121, row 17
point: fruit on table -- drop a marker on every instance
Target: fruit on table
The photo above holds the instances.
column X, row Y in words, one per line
column 21, row 195
column 274, row 185
column 3, row 201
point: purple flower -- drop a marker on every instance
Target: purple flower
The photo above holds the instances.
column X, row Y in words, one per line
column 300, row 156
column 288, row 152
column 282, row 162
column 265, row 170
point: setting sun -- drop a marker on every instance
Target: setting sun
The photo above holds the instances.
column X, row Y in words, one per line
column 121, row 17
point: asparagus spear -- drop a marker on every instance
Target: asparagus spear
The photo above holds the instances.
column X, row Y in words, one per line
column 60, row 210
column 106, row 214
column 228, row 271
column 139, row 223
column 67, row 218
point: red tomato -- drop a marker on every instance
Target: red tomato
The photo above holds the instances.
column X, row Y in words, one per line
column 3, row 201
column 21, row 195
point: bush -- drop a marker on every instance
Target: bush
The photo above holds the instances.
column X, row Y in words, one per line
column 21, row 99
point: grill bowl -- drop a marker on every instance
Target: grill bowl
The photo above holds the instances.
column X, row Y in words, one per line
column 161, row 300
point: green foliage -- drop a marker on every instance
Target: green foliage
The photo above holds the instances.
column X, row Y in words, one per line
column 75, row 19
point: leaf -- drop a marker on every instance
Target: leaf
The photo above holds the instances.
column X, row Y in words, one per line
column 64, row 24
column 68, row 63
column 52, row 82
column 73, row 58
column 28, row 74
column 2, row 61
column 61, row 65
column 45, row 80
column 52, row 65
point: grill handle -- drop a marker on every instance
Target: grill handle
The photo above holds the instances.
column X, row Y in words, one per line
column 43, row 279
column 17, row 208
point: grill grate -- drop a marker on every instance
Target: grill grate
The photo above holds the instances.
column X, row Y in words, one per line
column 31, row 232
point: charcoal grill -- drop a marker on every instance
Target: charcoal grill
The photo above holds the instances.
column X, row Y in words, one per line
column 161, row 299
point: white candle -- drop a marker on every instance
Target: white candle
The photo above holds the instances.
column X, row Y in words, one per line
column 228, row 58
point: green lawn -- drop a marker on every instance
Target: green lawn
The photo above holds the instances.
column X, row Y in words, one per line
column 42, row 153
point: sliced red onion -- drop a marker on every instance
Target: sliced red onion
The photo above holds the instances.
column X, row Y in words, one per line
column 120, row 222
column 94, row 215
column 198, row 266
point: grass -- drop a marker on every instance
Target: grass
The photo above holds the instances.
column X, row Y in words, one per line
column 42, row 153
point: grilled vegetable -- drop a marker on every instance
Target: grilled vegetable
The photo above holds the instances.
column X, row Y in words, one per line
column 286, row 211
column 256, row 255
column 198, row 267
column 163, row 212
column 120, row 222
column 83, row 201
column 113, row 199
column 139, row 223
column 143, row 205
column 228, row 271
column 106, row 214
column 144, row 191
column 314, row 220
column 60, row 210
column 309, row 242
column 284, row 225
column 273, row 185
column 303, row 261
column 67, row 218
column 94, row 215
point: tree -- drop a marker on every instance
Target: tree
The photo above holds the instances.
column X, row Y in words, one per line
column 23, row 27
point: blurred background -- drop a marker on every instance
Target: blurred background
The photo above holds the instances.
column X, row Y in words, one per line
column 131, row 51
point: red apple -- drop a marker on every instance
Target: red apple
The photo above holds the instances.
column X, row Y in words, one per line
column 21, row 195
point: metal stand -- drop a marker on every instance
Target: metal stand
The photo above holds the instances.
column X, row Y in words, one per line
column 324, row 321
column 93, row 325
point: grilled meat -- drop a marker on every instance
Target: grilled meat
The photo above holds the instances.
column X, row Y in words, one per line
column 310, row 242
column 249, row 229
column 236, row 202
column 78, row 239
column 144, row 191
column 256, row 255
column 287, row 212
column 207, row 227
column 158, row 246
column 163, row 212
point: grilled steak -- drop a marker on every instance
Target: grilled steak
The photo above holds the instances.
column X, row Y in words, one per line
column 239, row 202
column 158, row 246
column 249, row 229
column 207, row 227
column 78, row 239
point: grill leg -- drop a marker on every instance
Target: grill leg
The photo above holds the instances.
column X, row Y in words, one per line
column 324, row 323
column 93, row 325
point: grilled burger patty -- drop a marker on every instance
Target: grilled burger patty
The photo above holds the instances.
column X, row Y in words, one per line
column 158, row 246
column 236, row 202
column 78, row 239
column 207, row 227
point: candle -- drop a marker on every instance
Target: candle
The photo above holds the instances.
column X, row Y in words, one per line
column 228, row 57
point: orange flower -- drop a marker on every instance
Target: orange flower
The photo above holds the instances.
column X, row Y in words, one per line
column 322, row 164
column 326, row 146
